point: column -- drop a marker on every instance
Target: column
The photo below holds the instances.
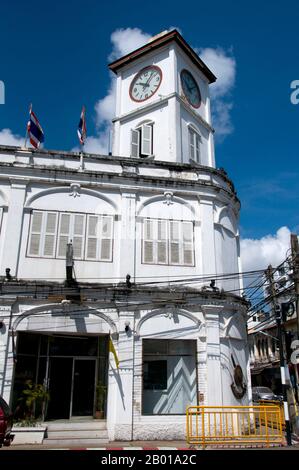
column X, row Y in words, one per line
column 121, row 404
column 13, row 232
column 214, row 373
column 127, row 240
column 208, row 237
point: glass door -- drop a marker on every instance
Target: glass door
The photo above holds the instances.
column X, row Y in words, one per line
column 60, row 384
column 83, row 387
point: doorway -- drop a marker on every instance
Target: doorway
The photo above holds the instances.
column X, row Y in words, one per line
column 68, row 366
column 71, row 387
column 83, row 387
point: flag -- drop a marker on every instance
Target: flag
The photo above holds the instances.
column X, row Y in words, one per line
column 82, row 127
column 112, row 350
column 34, row 129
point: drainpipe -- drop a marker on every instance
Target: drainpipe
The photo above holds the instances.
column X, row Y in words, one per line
column 132, row 431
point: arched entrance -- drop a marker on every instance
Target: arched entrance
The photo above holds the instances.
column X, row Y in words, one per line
column 66, row 353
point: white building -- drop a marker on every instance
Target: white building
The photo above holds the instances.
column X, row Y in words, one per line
column 156, row 209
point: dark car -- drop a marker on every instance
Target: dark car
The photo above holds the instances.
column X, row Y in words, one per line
column 264, row 393
column 6, row 422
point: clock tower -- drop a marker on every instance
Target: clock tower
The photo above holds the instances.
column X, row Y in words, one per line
column 163, row 103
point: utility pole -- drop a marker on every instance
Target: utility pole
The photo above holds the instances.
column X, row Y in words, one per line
column 295, row 265
column 277, row 312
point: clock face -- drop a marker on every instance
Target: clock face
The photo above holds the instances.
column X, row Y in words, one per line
column 190, row 89
column 145, row 83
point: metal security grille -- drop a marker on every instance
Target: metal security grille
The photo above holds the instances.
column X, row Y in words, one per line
column 234, row 425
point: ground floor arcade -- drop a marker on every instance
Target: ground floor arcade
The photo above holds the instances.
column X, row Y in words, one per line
column 140, row 366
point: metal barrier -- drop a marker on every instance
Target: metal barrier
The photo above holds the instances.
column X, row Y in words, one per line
column 234, row 425
column 276, row 403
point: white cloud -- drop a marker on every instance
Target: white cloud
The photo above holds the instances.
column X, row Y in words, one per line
column 270, row 249
column 126, row 40
column 8, row 138
column 98, row 144
column 223, row 65
column 105, row 108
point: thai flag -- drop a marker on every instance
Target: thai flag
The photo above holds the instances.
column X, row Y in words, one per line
column 82, row 127
column 35, row 131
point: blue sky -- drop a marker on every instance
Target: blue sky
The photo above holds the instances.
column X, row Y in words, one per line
column 55, row 55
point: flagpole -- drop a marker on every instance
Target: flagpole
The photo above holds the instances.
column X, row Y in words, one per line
column 82, row 139
column 81, row 158
column 26, row 135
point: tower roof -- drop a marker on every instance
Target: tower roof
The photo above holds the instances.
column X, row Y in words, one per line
column 159, row 41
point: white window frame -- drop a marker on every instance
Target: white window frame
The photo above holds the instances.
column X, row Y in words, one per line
column 139, row 141
column 155, row 242
column 42, row 233
column 99, row 238
column 71, row 234
column 194, row 144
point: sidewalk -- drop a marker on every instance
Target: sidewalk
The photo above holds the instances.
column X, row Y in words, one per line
column 148, row 445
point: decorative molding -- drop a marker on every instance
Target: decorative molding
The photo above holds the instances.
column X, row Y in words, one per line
column 65, row 189
column 168, row 198
column 169, row 312
column 75, row 190
column 64, row 310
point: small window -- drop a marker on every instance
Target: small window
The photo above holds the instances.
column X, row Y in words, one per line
column 71, row 230
column 168, row 242
column 194, row 145
column 155, row 375
column 142, row 141
column 42, row 238
column 99, row 238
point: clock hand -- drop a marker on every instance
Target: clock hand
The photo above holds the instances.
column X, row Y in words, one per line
column 149, row 79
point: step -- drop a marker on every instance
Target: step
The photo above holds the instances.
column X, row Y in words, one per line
column 95, row 424
column 75, row 442
column 77, row 434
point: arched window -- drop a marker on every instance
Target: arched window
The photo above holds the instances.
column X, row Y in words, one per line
column 194, row 144
column 142, row 140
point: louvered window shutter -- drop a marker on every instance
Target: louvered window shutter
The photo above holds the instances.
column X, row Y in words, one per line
column 1, row 215
column 148, row 241
column 197, row 147
column 49, row 238
column 146, row 139
column 191, row 144
column 78, row 235
column 92, row 237
column 35, row 233
column 135, row 143
column 174, row 242
column 64, row 234
column 106, row 238
column 187, row 229
column 162, row 242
